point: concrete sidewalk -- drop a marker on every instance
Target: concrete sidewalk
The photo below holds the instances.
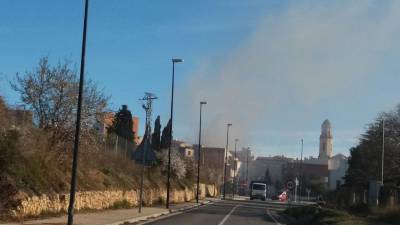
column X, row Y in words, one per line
column 113, row 217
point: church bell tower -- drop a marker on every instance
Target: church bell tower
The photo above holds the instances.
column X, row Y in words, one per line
column 325, row 141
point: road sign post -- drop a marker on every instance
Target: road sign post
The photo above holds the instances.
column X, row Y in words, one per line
column 295, row 189
column 308, row 194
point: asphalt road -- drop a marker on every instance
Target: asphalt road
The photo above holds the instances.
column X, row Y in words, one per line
column 228, row 213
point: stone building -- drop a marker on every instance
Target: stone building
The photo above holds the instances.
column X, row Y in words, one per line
column 316, row 173
column 258, row 168
column 212, row 158
column 325, row 141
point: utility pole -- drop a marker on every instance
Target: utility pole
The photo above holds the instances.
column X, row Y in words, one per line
column 383, row 148
column 234, row 171
column 295, row 189
column 78, row 121
column 149, row 97
column 247, row 166
column 378, row 186
column 226, row 157
column 199, row 155
column 301, row 169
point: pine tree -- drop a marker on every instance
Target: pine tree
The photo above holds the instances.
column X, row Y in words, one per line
column 166, row 136
column 122, row 127
column 122, row 124
column 156, row 136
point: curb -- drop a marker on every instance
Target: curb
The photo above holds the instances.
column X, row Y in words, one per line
column 157, row 215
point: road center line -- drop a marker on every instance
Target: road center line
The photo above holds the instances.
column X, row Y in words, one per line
column 272, row 217
column 227, row 216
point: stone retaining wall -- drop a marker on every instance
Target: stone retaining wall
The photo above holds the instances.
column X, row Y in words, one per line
column 36, row 205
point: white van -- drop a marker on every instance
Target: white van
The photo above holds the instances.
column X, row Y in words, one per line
column 258, row 191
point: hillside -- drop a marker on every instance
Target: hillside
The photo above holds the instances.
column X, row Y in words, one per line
column 30, row 165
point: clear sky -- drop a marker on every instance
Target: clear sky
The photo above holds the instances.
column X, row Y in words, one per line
column 275, row 69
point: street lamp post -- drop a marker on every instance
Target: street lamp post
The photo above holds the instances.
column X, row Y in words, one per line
column 301, row 168
column 382, row 161
column 78, row 121
column 174, row 60
column 234, row 171
column 226, row 157
column 198, row 156
column 247, row 167
column 383, row 149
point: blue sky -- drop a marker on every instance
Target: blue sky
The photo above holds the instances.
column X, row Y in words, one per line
column 275, row 69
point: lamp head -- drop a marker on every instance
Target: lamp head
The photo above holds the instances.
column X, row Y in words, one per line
column 176, row 60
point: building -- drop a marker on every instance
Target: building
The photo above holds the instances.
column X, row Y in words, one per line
column 213, row 158
column 325, row 141
column 185, row 150
column 104, row 120
column 135, row 129
column 312, row 172
column 337, row 166
column 234, row 161
column 244, row 155
column 258, row 168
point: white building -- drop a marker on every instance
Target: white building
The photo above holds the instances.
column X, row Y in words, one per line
column 337, row 167
column 337, row 164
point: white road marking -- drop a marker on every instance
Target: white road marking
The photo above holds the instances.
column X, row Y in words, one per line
column 227, row 216
column 273, row 218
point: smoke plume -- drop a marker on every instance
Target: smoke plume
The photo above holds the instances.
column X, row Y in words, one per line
column 304, row 53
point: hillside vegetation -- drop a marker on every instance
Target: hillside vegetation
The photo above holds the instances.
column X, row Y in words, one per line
column 36, row 153
column 29, row 165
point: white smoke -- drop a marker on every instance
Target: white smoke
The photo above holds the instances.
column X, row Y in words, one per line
column 304, row 53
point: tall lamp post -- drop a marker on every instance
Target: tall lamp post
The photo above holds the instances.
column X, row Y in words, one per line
column 383, row 149
column 301, row 168
column 234, row 171
column 198, row 156
column 174, row 60
column 247, row 167
column 226, row 157
column 78, row 121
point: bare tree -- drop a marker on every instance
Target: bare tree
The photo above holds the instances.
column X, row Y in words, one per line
column 52, row 94
column 178, row 166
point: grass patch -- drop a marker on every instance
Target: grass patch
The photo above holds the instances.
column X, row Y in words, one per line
column 314, row 215
column 386, row 215
column 356, row 215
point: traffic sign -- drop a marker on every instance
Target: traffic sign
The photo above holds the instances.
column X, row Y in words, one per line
column 290, row 185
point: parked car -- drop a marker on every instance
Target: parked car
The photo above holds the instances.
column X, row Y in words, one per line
column 283, row 197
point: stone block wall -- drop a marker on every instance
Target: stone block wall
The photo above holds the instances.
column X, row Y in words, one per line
column 98, row 200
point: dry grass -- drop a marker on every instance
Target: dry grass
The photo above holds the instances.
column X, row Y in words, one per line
column 313, row 215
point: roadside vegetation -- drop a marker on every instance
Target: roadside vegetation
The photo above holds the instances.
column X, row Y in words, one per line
column 316, row 215
column 365, row 164
column 36, row 148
